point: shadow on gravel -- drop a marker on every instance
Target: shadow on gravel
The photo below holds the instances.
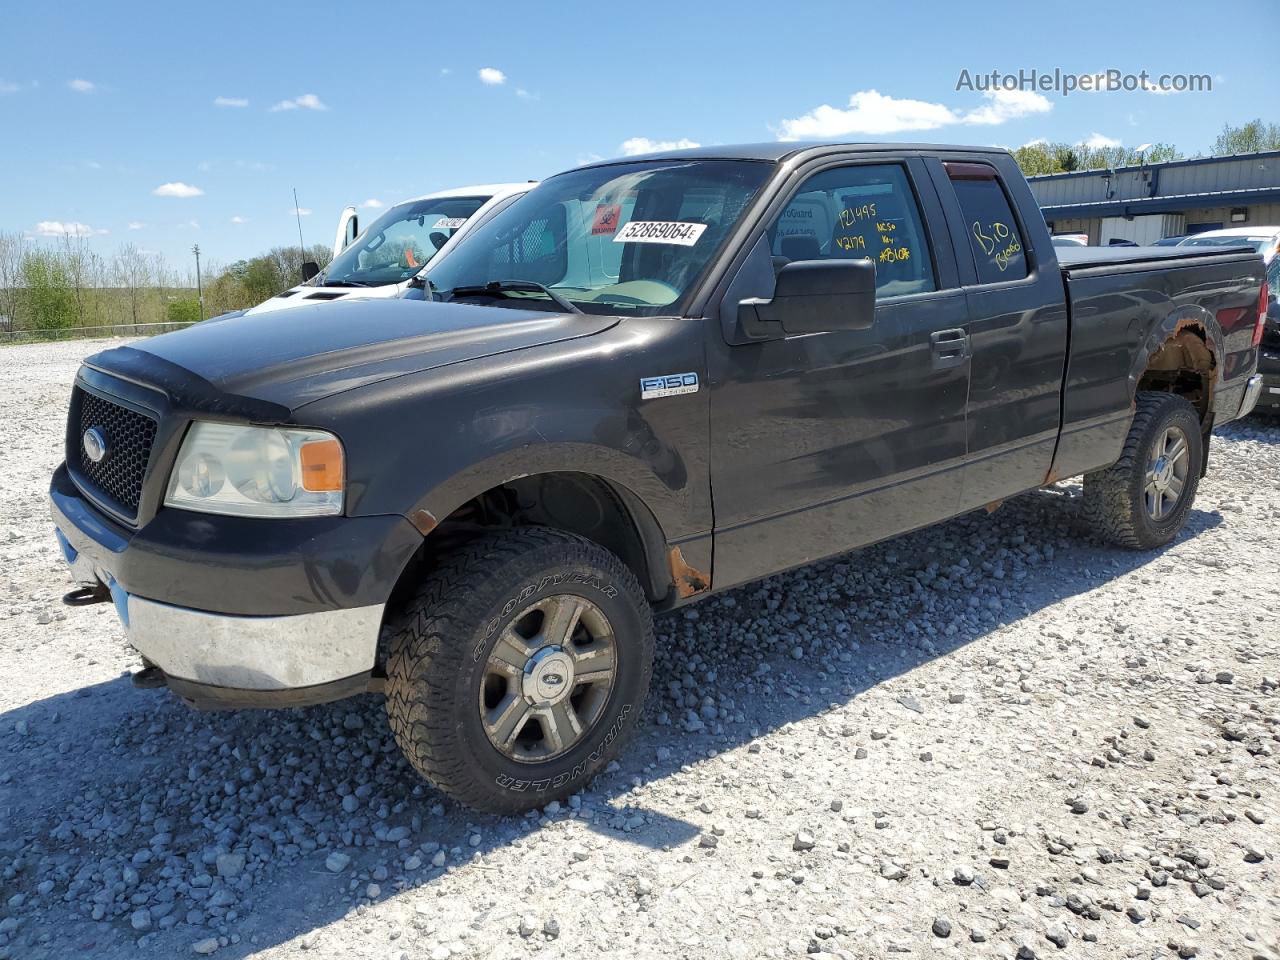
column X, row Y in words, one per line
column 117, row 801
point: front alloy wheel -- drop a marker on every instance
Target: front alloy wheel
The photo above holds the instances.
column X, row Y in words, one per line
column 548, row 678
column 519, row 668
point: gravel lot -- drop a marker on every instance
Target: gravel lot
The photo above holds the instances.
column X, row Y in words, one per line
column 994, row 738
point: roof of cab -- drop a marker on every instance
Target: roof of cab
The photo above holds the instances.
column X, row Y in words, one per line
column 776, row 151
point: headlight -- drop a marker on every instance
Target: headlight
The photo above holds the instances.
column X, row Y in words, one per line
column 257, row 471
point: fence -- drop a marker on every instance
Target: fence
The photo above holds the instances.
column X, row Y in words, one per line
column 80, row 333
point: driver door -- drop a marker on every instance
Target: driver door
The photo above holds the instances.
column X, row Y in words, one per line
column 827, row 441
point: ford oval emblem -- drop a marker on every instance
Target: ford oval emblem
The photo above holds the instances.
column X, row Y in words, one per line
column 553, row 679
column 95, row 445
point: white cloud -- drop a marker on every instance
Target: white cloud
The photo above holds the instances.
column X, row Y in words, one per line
column 1097, row 141
column 524, row 94
column 82, row 86
column 308, row 101
column 177, row 189
column 193, row 224
column 445, row 71
column 239, row 219
column 872, row 113
column 638, row 145
column 1005, row 105
column 7, row 86
column 230, row 102
column 136, row 224
column 373, row 203
column 55, row 228
column 869, row 112
column 1037, row 142
column 93, row 164
column 300, row 211
column 492, row 76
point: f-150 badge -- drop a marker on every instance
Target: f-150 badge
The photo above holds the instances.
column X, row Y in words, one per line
column 671, row 385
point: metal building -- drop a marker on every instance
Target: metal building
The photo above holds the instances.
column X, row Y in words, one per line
column 1145, row 203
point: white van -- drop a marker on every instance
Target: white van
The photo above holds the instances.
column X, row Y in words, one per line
column 381, row 260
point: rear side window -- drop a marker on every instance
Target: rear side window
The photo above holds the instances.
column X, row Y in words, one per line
column 993, row 233
column 849, row 213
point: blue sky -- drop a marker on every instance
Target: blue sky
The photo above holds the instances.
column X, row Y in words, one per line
column 164, row 125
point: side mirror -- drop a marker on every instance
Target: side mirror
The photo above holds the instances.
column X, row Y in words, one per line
column 814, row 296
column 309, row 269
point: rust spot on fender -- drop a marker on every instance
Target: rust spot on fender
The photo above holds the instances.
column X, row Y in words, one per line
column 424, row 520
column 688, row 581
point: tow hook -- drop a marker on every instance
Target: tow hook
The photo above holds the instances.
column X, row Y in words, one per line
column 86, row 596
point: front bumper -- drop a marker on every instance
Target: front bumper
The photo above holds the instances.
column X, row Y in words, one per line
column 290, row 614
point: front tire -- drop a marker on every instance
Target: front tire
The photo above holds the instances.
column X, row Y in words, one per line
column 519, row 668
column 1143, row 499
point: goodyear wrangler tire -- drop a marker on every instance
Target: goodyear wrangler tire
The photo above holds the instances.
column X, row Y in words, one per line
column 520, row 668
column 1142, row 500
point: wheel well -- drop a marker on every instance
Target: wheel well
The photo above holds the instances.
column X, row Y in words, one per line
column 575, row 502
column 1183, row 365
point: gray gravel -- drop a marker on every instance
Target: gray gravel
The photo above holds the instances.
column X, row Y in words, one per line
column 994, row 737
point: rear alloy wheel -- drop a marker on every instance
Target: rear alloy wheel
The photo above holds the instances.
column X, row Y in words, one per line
column 1167, row 468
column 1143, row 499
column 519, row 668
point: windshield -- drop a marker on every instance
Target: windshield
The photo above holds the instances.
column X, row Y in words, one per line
column 1260, row 244
column 400, row 242
column 625, row 238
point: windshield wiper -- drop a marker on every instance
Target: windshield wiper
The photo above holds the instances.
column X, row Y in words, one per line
column 345, row 283
column 498, row 287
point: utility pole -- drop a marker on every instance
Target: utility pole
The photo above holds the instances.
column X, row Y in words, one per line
column 199, row 286
column 297, row 213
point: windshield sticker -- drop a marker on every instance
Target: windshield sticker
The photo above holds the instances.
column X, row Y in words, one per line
column 606, row 219
column 660, row 231
column 449, row 223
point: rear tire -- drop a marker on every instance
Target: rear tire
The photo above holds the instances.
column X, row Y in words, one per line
column 519, row 668
column 1143, row 499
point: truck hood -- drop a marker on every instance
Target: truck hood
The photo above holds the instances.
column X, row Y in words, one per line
column 292, row 357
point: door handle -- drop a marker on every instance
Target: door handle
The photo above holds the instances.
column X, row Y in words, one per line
column 950, row 347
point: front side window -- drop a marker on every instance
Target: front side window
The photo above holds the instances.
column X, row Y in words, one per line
column 628, row 238
column 993, row 232
column 400, row 242
column 865, row 211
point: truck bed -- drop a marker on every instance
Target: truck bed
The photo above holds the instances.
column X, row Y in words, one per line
column 1082, row 258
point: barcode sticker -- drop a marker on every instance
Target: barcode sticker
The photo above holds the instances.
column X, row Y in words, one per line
column 660, row 231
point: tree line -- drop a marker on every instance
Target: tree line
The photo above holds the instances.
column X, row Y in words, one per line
column 1043, row 156
column 63, row 285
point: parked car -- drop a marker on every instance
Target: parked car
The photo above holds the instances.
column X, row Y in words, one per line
column 644, row 382
column 1265, row 240
column 393, row 249
column 1070, row 239
column 1169, row 241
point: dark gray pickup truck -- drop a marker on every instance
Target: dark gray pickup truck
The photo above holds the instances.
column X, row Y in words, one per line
column 643, row 382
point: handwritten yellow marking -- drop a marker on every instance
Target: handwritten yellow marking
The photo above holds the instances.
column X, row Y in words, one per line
column 850, row 215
